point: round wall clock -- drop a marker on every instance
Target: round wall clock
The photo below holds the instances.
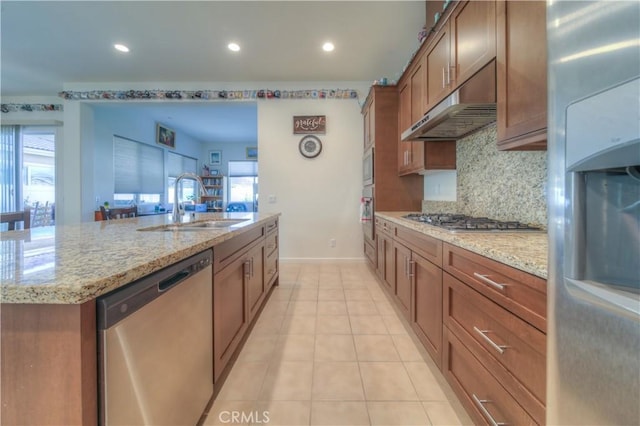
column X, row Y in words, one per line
column 310, row 146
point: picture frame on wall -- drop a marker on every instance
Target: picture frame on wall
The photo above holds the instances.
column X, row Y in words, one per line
column 215, row 158
column 165, row 136
column 252, row 153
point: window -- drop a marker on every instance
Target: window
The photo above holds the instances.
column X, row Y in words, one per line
column 243, row 184
column 138, row 172
column 27, row 164
column 176, row 165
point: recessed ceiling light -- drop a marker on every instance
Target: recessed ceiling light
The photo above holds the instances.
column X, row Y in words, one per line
column 328, row 47
column 121, row 47
column 234, row 47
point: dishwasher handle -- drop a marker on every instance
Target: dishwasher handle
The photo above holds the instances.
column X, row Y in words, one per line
column 166, row 284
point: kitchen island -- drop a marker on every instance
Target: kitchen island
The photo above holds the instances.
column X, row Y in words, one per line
column 51, row 278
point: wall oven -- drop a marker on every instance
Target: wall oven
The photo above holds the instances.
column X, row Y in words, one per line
column 367, row 167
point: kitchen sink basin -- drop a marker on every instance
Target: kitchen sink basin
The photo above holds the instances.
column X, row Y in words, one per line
column 196, row 226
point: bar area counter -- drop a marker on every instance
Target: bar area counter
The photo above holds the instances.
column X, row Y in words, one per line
column 72, row 264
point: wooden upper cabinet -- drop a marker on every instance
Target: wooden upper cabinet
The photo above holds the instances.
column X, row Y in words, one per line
column 367, row 126
column 404, row 122
column 473, row 35
column 417, row 94
column 522, row 75
column 438, row 73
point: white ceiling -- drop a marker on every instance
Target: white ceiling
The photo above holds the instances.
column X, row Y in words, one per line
column 45, row 44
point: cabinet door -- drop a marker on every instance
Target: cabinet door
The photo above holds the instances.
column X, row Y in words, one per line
column 522, row 75
column 438, row 68
column 380, row 256
column 417, row 92
column 404, row 122
column 229, row 313
column 403, row 274
column 254, row 276
column 389, row 264
column 369, row 123
column 426, row 312
column 473, row 35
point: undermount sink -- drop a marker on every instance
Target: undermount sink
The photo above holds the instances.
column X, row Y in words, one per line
column 196, row 226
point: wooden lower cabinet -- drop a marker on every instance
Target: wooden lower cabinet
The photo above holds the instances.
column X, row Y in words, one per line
column 426, row 304
column 403, row 278
column 230, row 316
column 254, row 276
column 512, row 350
column 481, row 321
column 482, row 395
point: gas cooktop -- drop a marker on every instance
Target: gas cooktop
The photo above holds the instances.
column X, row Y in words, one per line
column 463, row 223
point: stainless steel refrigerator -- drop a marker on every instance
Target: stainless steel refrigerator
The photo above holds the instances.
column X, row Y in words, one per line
column 593, row 364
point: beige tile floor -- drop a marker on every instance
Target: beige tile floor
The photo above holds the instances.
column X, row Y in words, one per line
column 329, row 348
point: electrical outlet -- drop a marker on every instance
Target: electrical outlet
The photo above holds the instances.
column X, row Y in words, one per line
column 272, row 199
column 332, row 242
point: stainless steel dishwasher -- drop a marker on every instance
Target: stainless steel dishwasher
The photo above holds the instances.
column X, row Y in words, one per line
column 155, row 347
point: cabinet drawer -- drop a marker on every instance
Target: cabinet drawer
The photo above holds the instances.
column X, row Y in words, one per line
column 271, row 243
column 519, row 292
column 511, row 349
column 384, row 226
column 428, row 247
column 486, row 401
column 226, row 252
column 271, row 226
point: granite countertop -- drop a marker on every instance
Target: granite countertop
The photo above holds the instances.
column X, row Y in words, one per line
column 526, row 251
column 72, row 264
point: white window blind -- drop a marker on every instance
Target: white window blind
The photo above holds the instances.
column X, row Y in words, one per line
column 178, row 164
column 138, row 168
column 243, row 168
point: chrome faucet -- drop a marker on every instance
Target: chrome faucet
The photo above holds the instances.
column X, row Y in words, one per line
column 177, row 207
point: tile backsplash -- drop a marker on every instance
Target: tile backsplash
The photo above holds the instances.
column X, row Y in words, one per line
column 503, row 185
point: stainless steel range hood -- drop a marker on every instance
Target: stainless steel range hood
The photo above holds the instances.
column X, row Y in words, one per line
column 471, row 107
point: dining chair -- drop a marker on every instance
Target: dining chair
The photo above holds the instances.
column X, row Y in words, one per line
column 12, row 217
column 41, row 215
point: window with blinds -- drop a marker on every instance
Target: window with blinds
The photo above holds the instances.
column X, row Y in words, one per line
column 178, row 164
column 138, row 167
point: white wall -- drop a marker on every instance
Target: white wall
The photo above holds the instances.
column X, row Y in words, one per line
column 318, row 198
column 230, row 152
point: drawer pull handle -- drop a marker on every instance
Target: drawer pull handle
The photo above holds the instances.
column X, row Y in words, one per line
column 494, row 345
column 488, row 281
column 480, row 403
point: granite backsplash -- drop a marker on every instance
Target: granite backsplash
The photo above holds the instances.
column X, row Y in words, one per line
column 503, row 185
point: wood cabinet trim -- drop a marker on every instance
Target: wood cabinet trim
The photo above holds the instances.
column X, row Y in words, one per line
column 49, row 364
